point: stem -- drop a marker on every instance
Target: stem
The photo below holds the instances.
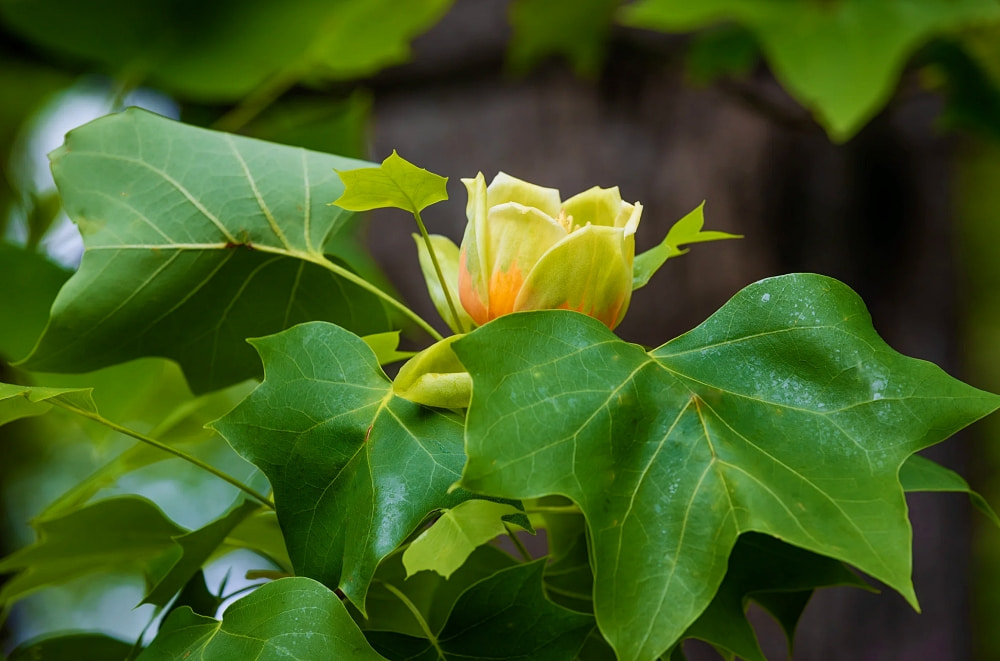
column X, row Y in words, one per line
column 257, row 101
column 368, row 287
column 419, row 617
column 166, row 448
column 440, row 273
column 518, row 543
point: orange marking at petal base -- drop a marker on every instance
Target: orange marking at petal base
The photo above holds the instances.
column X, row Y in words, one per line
column 608, row 316
column 504, row 288
column 468, row 295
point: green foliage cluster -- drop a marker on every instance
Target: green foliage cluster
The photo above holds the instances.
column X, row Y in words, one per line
column 756, row 458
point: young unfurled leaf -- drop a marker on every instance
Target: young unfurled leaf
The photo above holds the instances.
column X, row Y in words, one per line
column 291, row 618
column 395, row 183
column 783, row 413
column 685, row 231
column 444, row 546
column 355, row 468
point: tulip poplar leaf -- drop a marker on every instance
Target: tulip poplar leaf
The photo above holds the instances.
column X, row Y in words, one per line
column 922, row 474
column 841, row 60
column 195, row 240
column 504, row 616
column 291, row 618
column 685, row 231
column 784, row 413
column 355, row 468
column 395, row 183
column 444, row 547
column 386, row 347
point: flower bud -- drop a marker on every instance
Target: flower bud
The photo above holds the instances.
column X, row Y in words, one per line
column 525, row 249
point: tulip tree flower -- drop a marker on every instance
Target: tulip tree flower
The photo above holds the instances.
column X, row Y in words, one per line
column 525, row 249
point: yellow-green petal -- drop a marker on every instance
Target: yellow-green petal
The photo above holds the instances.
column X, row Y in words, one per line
column 517, row 237
column 505, row 188
column 590, row 272
column 597, row 206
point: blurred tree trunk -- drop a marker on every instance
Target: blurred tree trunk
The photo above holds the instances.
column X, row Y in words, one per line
column 874, row 213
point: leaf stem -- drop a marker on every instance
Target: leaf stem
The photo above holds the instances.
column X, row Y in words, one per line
column 370, row 288
column 419, row 617
column 166, row 448
column 521, row 548
column 553, row 509
column 440, row 274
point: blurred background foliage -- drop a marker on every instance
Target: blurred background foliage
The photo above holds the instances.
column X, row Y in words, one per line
column 857, row 138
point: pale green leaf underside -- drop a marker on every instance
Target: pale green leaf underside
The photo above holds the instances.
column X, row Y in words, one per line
column 195, row 240
column 783, row 413
column 842, row 59
column 291, row 619
column 355, row 469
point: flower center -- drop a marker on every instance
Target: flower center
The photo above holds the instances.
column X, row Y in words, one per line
column 565, row 220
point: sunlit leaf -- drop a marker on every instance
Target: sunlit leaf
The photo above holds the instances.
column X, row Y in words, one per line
column 395, row 183
column 355, row 469
column 783, row 413
column 505, row 616
column 841, row 60
column 291, row 618
column 195, row 240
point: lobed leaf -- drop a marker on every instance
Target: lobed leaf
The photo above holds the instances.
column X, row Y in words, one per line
column 195, row 240
column 355, row 468
column 25, row 401
column 395, row 183
column 783, row 413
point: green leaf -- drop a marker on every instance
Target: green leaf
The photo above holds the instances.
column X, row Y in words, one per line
column 76, row 646
column 685, row 231
column 386, row 347
column 25, row 401
column 198, row 52
column 444, row 546
column 291, row 618
column 505, row 616
column 261, row 533
column 842, row 59
column 124, row 533
column 194, row 550
column 922, row 474
column 783, row 413
column 579, row 31
column 395, row 183
column 433, row 595
column 38, row 280
column 762, row 564
column 726, row 50
column 195, row 240
column 196, row 596
column 355, row 469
